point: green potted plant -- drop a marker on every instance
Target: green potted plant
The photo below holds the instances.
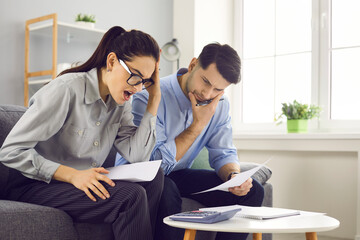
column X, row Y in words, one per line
column 297, row 115
column 85, row 20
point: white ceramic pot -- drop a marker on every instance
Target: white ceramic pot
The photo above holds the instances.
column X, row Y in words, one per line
column 86, row 24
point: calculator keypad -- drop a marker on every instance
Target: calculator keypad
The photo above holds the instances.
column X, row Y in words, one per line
column 197, row 213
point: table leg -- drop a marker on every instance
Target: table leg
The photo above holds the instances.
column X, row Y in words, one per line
column 357, row 237
column 311, row 236
column 257, row 236
column 189, row 234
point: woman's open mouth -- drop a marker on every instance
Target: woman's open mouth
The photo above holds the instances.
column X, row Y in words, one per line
column 127, row 95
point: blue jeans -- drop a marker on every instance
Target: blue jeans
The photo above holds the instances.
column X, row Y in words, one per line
column 184, row 182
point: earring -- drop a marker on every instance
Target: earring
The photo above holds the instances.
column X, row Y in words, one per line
column 108, row 70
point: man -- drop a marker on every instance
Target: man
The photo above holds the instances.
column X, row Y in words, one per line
column 185, row 125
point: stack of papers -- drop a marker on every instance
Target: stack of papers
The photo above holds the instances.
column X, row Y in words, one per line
column 260, row 213
column 263, row 213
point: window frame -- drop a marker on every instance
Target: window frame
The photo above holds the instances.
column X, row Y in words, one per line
column 320, row 76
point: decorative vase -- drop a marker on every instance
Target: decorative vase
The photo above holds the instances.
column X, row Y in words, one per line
column 297, row 126
column 86, row 24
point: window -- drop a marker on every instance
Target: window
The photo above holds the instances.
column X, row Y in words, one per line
column 303, row 50
column 345, row 55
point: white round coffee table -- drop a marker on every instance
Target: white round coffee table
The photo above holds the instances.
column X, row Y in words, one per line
column 309, row 224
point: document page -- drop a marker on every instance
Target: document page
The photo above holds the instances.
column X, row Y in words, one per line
column 135, row 172
column 237, row 180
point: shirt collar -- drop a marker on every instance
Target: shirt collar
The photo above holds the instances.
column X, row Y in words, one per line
column 184, row 102
column 92, row 93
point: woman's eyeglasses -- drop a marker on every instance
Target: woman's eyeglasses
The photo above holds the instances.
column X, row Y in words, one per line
column 135, row 79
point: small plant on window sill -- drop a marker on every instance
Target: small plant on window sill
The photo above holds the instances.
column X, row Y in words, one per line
column 297, row 116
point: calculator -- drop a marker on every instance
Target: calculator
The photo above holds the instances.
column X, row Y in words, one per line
column 204, row 216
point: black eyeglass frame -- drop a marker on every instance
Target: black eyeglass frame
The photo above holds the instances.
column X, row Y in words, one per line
column 143, row 81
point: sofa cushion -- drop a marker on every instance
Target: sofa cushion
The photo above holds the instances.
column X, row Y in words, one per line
column 9, row 115
column 29, row 221
column 262, row 175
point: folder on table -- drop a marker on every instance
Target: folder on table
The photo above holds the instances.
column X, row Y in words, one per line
column 261, row 213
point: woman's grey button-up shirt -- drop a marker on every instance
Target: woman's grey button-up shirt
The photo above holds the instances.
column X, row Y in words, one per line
column 69, row 124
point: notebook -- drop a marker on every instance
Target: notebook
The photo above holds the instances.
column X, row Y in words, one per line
column 261, row 213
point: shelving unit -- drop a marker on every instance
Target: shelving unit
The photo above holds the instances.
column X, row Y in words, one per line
column 49, row 26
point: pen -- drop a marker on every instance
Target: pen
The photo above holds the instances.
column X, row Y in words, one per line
column 206, row 102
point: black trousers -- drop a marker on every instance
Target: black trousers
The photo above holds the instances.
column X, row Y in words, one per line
column 184, row 182
column 131, row 208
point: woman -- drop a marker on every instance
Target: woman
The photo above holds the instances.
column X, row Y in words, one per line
column 72, row 123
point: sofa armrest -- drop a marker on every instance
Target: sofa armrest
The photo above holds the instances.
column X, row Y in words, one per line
column 23, row 220
column 268, row 196
column 262, row 175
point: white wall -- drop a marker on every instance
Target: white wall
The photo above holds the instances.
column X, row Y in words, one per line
column 153, row 17
column 183, row 29
column 199, row 22
column 213, row 23
column 314, row 181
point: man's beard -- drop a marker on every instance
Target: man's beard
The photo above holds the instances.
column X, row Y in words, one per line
column 190, row 78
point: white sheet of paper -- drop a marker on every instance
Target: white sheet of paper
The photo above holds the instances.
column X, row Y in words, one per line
column 237, row 180
column 135, row 172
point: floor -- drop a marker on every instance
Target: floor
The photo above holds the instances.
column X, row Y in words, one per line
column 300, row 236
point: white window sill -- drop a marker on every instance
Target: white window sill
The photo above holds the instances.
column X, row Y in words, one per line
column 341, row 142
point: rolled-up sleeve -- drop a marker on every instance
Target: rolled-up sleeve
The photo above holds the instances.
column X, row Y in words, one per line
column 135, row 144
column 220, row 146
column 44, row 118
column 165, row 150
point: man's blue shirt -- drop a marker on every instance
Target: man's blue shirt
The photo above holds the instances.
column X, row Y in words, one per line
column 173, row 117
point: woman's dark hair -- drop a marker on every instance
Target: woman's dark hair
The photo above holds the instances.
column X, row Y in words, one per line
column 125, row 44
column 226, row 59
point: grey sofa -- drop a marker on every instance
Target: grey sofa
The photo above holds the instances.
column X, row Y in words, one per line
column 28, row 221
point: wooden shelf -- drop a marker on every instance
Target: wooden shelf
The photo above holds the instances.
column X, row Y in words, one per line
column 69, row 32
column 48, row 26
column 40, row 81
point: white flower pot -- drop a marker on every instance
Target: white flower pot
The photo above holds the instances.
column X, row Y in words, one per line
column 86, row 24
